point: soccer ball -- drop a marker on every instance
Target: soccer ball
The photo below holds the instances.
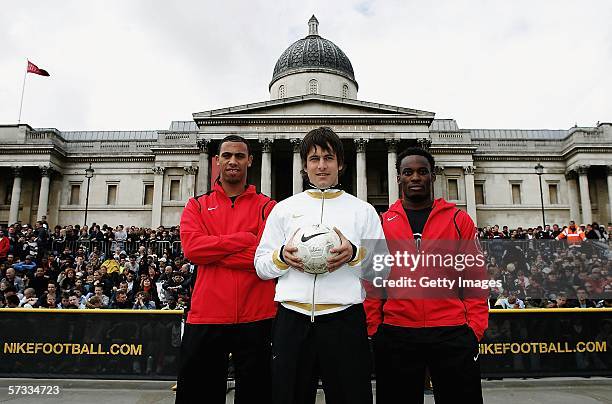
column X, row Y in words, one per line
column 313, row 244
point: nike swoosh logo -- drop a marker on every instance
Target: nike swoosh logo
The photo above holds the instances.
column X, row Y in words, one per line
column 476, row 357
column 391, row 218
column 296, row 216
column 305, row 239
column 213, row 208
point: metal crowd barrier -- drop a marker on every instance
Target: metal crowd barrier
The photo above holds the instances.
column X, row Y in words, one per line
column 109, row 247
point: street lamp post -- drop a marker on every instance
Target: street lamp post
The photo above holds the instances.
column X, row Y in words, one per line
column 89, row 172
column 539, row 169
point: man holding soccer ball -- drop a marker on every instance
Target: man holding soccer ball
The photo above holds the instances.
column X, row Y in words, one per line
column 320, row 327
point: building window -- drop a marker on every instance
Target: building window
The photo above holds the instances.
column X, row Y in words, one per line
column 111, row 194
column 175, row 190
column 75, row 194
column 479, row 191
column 453, row 189
column 148, row 194
column 553, row 195
column 345, row 91
column 313, row 87
column 281, row 91
column 516, row 194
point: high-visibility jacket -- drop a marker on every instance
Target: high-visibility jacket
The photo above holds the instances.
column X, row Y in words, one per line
column 573, row 236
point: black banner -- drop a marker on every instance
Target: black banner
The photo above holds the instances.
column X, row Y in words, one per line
column 547, row 342
column 105, row 344
column 131, row 344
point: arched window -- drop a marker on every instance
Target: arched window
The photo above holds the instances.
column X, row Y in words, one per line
column 313, row 87
column 281, row 91
column 345, row 91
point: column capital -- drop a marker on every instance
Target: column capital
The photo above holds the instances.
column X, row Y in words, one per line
column 439, row 170
column 45, row 171
column 295, row 144
column 469, row 170
column 583, row 170
column 158, row 170
column 392, row 145
column 360, row 145
column 571, row 175
column 191, row 170
column 17, row 171
column 266, row 145
column 203, row 145
column 424, row 143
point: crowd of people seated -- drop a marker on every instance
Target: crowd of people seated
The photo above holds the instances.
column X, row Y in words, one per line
column 141, row 268
column 550, row 267
column 73, row 267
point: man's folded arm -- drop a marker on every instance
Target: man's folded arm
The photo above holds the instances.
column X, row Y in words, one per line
column 244, row 260
column 202, row 248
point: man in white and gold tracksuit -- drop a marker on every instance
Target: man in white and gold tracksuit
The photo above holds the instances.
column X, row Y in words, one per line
column 320, row 327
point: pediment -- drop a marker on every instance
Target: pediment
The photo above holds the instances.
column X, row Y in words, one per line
column 313, row 106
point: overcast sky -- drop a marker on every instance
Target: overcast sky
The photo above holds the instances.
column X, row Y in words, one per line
column 136, row 65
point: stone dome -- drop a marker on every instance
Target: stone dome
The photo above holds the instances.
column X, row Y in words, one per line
column 313, row 53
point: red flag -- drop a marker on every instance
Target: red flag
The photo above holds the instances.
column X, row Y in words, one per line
column 32, row 68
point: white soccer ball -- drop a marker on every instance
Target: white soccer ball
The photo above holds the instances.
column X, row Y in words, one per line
column 313, row 244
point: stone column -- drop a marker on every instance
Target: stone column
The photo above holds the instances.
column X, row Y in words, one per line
column 43, row 198
column 574, row 203
column 470, row 195
column 609, row 170
column 266, row 167
column 439, row 183
column 391, row 170
column 362, row 178
column 191, row 172
column 15, row 196
column 585, row 197
column 298, row 181
column 158, row 191
column 203, row 182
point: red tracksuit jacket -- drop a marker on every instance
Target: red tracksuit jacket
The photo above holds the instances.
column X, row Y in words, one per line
column 419, row 313
column 5, row 246
column 220, row 237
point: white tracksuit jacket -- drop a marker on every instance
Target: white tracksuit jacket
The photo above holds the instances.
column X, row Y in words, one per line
column 356, row 219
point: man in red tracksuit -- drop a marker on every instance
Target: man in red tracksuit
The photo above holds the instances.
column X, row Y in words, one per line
column 5, row 246
column 231, row 307
column 440, row 334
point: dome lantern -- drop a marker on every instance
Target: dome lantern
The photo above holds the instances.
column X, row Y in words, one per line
column 313, row 26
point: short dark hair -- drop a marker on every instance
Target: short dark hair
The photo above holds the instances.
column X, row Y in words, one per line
column 325, row 138
column 234, row 138
column 12, row 299
column 414, row 151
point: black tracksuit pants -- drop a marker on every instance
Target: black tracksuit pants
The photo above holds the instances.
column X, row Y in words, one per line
column 450, row 353
column 334, row 347
column 205, row 349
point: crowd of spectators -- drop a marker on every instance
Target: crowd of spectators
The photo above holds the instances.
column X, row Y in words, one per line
column 74, row 267
column 538, row 268
column 140, row 268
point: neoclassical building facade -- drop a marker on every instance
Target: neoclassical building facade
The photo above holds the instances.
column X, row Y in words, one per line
column 144, row 178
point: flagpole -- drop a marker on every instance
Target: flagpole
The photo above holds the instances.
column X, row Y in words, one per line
column 22, row 91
